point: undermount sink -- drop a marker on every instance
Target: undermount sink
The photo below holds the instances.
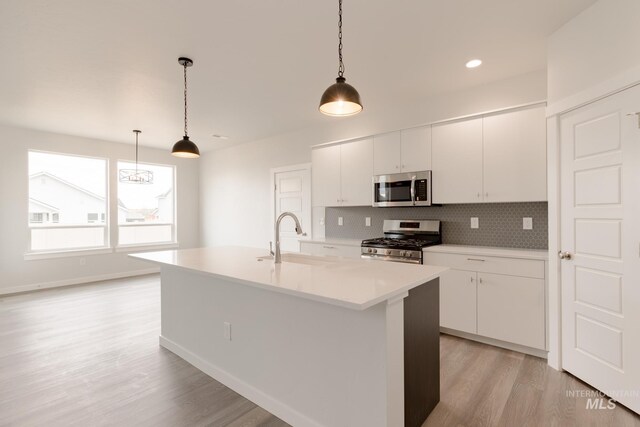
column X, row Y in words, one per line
column 299, row 259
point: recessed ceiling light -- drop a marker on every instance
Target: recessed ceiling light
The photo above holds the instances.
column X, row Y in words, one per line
column 215, row 135
column 474, row 63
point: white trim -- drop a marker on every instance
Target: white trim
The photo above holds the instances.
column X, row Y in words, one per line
column 30, row 256
column 554, row 326
column 438, row 122
column 272, row 194
column 255, row 395
column 149, row 247
column 496, row 343
column 76, row 281
column 609, row 87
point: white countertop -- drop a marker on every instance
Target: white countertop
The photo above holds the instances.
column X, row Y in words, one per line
column 335, row 241
column 351, row 283
column 541, row 254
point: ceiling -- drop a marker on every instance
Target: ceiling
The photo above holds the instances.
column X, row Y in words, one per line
column 102, row 68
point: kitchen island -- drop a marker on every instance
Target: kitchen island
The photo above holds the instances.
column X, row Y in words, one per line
column 317, row 341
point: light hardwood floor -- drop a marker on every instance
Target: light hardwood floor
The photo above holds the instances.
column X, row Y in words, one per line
column 89, row 355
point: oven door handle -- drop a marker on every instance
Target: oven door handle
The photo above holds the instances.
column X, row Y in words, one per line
column 413, row 190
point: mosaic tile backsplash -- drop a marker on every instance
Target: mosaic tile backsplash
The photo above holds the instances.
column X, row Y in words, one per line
column 500, row 223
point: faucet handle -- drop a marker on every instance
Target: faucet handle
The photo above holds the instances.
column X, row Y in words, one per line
column 271, row 249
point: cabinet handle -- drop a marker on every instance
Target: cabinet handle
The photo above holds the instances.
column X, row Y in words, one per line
column 397, row 167
column 478, row 195
column 402, row 166
column 480, row 280
column 475, row 259
column 471, row 279
column 486, row 195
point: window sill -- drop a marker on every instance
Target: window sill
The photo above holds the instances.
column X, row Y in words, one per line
column 148, row 247
column 29, row 256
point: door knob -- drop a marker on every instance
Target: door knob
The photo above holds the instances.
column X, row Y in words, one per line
column 565, row 255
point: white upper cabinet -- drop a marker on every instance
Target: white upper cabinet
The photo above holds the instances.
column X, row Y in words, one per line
column 356, row 173
column 408, row 150
column 415, row 149
column 386, row 153
column 457, row 162
column 341, row 174
column 325, row 173
column 515, row 156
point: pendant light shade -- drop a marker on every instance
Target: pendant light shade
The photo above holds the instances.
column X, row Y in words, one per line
column 185, row 148
column 340, row 99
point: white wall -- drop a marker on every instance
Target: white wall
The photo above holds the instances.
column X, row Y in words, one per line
column 15, row 271
column 599, row 44
column 234, row 182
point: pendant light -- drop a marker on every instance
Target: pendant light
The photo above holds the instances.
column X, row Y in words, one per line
column 185, row 148
column 340, row 99
column 136, row 176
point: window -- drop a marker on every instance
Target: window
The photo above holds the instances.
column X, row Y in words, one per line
column 146, row 212
column 66, row 194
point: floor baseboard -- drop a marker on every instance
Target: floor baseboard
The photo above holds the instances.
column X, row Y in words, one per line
column 75, row 281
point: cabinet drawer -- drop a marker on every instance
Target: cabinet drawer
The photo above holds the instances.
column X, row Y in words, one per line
column 329, row 249
column 488, row 264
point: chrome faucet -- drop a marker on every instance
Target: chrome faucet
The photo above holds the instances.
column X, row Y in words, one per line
column 277, row 257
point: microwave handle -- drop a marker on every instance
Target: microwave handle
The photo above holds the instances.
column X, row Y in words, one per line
column 413, row 190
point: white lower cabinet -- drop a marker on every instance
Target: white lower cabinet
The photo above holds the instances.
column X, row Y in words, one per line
column 494, row 297
column 458, row 300
column 511, row 309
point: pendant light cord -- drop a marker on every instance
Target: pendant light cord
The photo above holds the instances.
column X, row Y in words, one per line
column 341, row 64
column 185, row 99
column 136, row 151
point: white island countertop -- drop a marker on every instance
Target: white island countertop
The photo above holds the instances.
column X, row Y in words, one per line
column 351, row 283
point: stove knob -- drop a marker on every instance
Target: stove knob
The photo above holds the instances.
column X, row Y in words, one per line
column 373, row 251
column 403, row 253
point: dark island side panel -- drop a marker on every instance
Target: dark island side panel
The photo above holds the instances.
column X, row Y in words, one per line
column 421, row 352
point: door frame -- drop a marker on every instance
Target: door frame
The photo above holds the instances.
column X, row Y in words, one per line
column 272, row 194
column 554, row 111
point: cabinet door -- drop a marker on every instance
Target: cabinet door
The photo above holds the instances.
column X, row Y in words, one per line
column 511, row 309
column 457, row 162
column 357, row 173
column 325, row 172
column 458, row 300
column 515, row 156
column 386, row 153
column 415, row 149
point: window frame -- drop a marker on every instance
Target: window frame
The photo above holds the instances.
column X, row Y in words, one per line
column 59, row 252
column 132, row 247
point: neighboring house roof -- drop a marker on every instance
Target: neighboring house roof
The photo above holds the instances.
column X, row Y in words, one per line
column 75, row 187
column 67, row 183
column 43, row 204
column 165, row 194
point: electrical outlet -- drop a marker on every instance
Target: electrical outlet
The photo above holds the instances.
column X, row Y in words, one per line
column 83, row 261
column 321, row 221
column 474, row 222
column 527, row 223
column 227, row 331
column 367, row 221
column 340, row 221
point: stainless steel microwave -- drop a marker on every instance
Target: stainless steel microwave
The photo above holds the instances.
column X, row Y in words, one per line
column 402, row 189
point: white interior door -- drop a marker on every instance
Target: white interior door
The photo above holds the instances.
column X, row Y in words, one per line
column 600, row 212
column 292, row 193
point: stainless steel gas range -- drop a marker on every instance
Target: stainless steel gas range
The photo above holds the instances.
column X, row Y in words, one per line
column 403, row 240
